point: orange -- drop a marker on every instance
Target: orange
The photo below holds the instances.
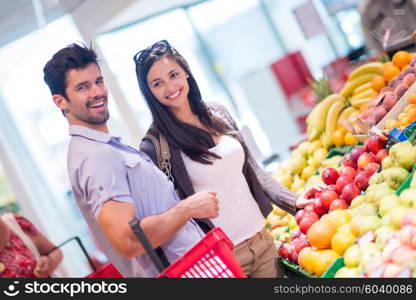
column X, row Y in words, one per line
column 378, row 82
column 306, row 259
column 390, row 124
column 412, row 98
column 405, row 67
column 390, row 71
column 409, row 107
column 341, row 241
column 401, row 59
column 405, row 121
column 339, row 217
column 320, row 233
column 411, row 114
column 324, row 258
column 338, row 137
column 349, row 139
column 374, row 94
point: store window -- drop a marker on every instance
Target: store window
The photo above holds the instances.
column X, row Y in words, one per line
column 39, row 134
column 119, row 47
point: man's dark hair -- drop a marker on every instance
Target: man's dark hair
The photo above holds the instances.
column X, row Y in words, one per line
column 74, row 56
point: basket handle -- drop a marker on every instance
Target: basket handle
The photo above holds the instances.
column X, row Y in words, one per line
column 140, row 235
column 78, row 240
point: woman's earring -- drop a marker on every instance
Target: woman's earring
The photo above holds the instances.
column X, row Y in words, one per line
column 187, row 76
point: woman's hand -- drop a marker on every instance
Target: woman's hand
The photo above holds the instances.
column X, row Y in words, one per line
column 43, row 267
column 308, row 196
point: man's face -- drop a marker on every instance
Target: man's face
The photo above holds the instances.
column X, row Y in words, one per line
column 86, row 102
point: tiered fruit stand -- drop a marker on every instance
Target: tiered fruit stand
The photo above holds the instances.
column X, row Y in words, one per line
column 356, row 169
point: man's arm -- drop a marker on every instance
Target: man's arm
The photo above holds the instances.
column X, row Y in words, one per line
column 114, row 218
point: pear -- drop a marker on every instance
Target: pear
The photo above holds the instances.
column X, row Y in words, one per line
column 352, row 256
column 386, row 163
column 382, row 235
column 388, row 203
column 408, row 198
column 395, row 176
column 404, row 154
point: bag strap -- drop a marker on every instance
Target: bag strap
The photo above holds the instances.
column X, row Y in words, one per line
column 162, row 154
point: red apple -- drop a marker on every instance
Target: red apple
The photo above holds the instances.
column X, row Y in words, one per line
column 292, row 255
column 284, row 250
column 327, row 197
column 365, row 159
column 299, row 215
column 349, row 192
column 361, row 180
column 375, row 143
column 300, row 243
column 381, row 154
column 347, row 161
column 371, row 168
column 308, row 219
column 356, row 152
column 342, row 182
column 347, row 171
column 329, row 176
column 318, row 207
column 338, row 204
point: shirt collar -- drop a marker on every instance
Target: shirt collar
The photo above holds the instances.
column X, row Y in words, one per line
column 91, row 134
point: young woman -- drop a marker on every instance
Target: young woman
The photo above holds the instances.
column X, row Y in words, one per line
column 208, row 151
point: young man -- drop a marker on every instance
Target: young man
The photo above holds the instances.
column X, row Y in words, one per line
column 114, row 183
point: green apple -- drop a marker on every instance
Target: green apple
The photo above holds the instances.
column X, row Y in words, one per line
column 365, row 209
column 408, row 198
column 388, row 203
column 386, row 163
column 369, row 223
column 357, row 201
column 395, row 176
column 375, row 195
column 352, row 256
column 404, row 154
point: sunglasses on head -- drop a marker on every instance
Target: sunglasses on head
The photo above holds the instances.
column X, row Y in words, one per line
column 159, row 48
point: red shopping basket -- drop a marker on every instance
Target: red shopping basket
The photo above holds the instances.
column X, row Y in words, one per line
column 105, row 271
column 211, row 257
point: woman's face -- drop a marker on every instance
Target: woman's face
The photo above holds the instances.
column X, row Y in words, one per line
column 167, row 81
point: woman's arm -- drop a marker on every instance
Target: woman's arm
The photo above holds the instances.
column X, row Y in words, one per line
column 277, row 194
column 4, row 234
column 47, row 262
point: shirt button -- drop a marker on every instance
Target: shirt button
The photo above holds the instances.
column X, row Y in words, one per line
column 101, row 188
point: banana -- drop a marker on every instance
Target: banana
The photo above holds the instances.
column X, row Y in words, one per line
column 362, row 88
column 316, row 122
column 332, row 119
column 364, row 94
column 372, row 67
column 354, row 83
column 357, row 103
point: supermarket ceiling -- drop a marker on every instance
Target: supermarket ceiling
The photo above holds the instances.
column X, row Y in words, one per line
column 20, row 17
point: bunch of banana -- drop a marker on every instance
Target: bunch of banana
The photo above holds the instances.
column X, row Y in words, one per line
column 331, row 121
column 357, row 89
column 316, row 120
column 346, row 113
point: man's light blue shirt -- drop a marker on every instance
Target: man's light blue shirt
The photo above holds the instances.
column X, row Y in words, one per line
column 101, row 168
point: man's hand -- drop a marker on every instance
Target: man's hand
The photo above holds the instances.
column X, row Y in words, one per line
column 43, row 267
column 203, row 204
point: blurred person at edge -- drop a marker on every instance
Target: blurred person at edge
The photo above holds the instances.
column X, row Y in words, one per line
column 377, row 16
column 114, row 183
column 24, row 251
column 208, row 151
